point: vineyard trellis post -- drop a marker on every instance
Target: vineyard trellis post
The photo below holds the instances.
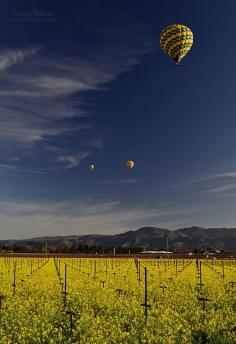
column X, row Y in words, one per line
column 145, row 304
column 14, row 279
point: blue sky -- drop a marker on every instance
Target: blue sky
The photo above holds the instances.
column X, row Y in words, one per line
column 86, row 82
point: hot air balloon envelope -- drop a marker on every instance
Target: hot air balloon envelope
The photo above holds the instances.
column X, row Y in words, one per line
column 91, row 167
column 130, row 164
column 176, row 40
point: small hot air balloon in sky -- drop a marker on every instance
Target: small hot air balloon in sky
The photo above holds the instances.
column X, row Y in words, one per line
column 176, row 40
column 130, row 164
column 91, row 167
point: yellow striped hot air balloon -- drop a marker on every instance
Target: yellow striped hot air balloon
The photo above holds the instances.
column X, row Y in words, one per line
column 130, row 164
column 176, row 40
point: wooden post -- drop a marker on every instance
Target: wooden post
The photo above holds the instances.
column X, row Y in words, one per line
column 145, row 304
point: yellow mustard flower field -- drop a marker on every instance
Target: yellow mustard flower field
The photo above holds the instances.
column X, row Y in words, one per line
column 117, row 301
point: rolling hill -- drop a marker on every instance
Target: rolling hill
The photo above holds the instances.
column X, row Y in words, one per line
column 147, row 237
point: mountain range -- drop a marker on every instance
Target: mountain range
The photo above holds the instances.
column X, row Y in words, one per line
column 149, row 238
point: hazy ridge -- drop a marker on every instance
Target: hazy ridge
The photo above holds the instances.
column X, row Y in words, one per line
column 147, row 237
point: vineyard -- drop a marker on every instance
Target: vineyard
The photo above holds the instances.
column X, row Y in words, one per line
column 117, row 301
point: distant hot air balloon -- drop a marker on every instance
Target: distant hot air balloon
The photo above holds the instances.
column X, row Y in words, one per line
column 176, row 40
column 91, row 167
column 130, row 164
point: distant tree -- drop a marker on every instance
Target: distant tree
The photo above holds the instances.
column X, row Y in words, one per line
column 178, row 246
column 52, row 248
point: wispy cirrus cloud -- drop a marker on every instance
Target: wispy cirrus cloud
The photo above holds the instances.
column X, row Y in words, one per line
column 6, row 168
column 37, row 90
column 72, row 161
column 22, row 219
column 223, row 188
column 211, row 178
column 97, row 142
column 42, row 108
column 223, row 175
column 10, row 57
column 16, row 170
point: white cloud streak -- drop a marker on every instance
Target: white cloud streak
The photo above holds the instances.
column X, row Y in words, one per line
column 73, row 160
column 41, row 94
column 212, row 177
column 37, row 100
column 35, row 94
column 10, row 57
column 223, row 188
column 24, row 219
